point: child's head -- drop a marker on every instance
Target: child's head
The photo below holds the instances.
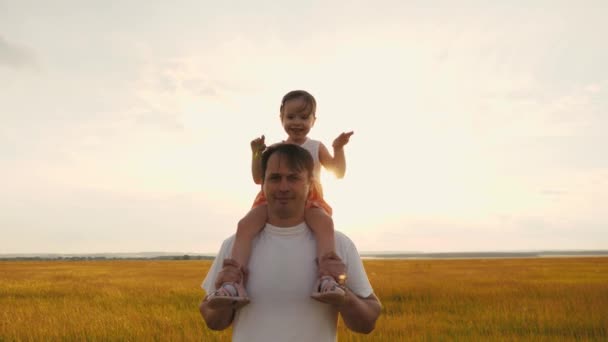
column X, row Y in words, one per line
column 298, row 110
column 308, row 102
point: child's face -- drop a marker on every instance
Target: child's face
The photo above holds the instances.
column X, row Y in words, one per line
column 297, row 118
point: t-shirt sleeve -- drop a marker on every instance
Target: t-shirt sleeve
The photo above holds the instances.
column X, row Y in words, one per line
column 209, row 283
column 356, row 277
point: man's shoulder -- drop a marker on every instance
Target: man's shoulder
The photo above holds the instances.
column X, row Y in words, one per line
column 343, row 241
column 228, row 242
column 341, row 236
column 230, row 238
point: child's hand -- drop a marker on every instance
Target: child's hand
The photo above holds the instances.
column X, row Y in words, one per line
column 258, row 145
column 342, row 140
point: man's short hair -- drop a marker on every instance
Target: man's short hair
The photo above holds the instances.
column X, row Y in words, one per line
column 297, row 158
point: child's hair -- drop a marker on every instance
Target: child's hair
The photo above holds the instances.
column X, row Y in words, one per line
column 297, row 158
column 310, row 102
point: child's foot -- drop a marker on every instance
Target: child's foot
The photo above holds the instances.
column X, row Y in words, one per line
column 230, row 294
column 230, row 289
column 328, row 290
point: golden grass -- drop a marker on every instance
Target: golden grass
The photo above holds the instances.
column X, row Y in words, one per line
column 448, row 300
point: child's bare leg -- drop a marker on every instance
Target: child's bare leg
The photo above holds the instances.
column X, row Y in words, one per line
column 328, row 287
column 322, row 225
column 248, row 227
column 230, row 282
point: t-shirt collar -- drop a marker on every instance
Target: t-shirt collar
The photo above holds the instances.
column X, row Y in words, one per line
column 294, row 230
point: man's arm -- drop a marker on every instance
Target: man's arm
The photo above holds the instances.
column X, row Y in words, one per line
column 216, row 319
column 360, row 314
column 221, row 318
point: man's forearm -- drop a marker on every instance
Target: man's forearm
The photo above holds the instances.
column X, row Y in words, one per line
column 360, row 314
column 216, row 319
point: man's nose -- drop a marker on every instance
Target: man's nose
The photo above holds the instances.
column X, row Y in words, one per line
column 284, row 184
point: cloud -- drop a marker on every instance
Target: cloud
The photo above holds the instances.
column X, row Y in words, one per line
column 553, row 192
column 182, row 76
column 15, row 56
column 167, row 121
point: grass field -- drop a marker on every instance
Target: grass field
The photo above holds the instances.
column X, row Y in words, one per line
column 556, row 299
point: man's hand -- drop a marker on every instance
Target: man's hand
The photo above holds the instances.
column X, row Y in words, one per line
column 330, row 264
column 231, row 272
column 258, row 145
column 359, row 314
column 332, row 300
column 342, row 140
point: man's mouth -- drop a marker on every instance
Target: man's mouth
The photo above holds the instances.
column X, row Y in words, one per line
column 282, row 199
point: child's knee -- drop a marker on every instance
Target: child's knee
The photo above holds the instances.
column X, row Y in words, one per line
column 245, row 229
column 252, row 223
column 318, row 218
column 317, row 214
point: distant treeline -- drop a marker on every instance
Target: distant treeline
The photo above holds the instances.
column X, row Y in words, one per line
column 366, row 255
column 456, row 255
column 98, row 258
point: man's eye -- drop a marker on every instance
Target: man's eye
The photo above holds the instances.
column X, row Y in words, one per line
column 294, row 178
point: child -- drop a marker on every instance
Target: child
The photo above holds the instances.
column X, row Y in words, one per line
column 297, row 115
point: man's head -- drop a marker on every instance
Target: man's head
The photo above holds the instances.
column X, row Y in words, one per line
column 287, row 172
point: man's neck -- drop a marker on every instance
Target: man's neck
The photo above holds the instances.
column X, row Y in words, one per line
column 285, row 222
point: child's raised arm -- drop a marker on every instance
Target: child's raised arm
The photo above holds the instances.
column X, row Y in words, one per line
column 337, row 163
column 257, row 147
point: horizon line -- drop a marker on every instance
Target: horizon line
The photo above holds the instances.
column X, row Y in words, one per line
column 375, row 252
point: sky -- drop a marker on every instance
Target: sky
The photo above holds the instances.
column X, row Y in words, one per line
column 479, row 126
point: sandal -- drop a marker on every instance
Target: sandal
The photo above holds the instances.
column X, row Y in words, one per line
column 328, row 289
column 230, row 294
column 230, row 289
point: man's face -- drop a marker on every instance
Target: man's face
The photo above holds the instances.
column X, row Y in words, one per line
column 286, row 191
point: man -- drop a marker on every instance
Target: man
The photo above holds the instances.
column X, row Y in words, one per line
column 282, row 267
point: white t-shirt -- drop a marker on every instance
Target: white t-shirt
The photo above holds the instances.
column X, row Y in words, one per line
column 282, row 274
